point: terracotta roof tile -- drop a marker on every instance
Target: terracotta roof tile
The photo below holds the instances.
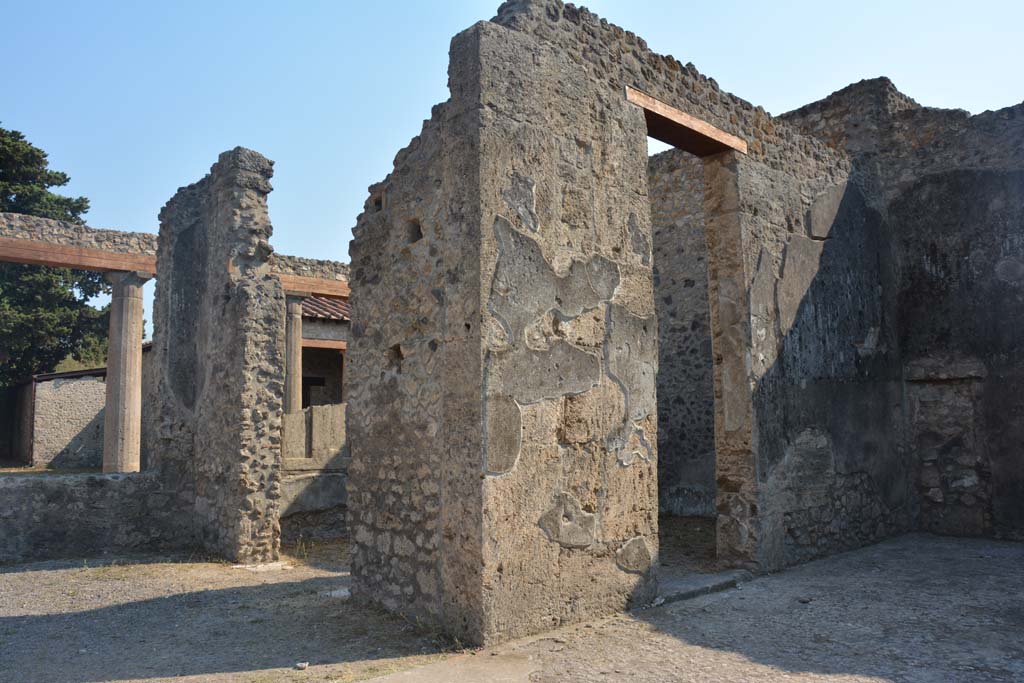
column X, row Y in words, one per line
column 325, row 308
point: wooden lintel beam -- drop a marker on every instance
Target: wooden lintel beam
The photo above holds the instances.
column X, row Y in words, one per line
column 677, row 128
column 324, row 344
column 16, row 250
column 299, row 284
column 32, row 252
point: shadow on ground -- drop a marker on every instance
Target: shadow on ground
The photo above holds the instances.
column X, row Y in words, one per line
column 204, row 620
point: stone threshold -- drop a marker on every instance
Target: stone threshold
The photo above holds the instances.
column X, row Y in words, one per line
column 689, row 586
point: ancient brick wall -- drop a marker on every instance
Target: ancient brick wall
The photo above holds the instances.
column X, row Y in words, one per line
column 570, row 343
column 218, row 349
column 960, row 265
column 686, row 400
column 616, row 58
column 68, row 422
column 784, row 172
column 895, row 141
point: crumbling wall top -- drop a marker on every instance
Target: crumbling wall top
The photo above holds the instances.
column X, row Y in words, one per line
column 309, row 267
column 621, row 58
column 21, row 226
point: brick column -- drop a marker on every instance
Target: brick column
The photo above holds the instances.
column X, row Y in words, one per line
column 123, row 414
column 293, row 356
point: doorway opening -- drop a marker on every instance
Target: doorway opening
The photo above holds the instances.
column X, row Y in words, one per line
column 687, row 488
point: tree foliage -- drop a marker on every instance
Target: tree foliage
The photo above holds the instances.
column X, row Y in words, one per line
column 45, row 316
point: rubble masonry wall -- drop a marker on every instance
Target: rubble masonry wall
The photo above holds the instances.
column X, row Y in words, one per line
column 218, row 350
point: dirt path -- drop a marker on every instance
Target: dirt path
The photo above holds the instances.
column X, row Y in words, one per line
column 140, row 620
column 917, row 609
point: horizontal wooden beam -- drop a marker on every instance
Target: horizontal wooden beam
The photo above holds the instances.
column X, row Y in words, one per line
column 32, row 252
column 15, row 250
column 299, row 284
column 324, row 344
column 677, row 128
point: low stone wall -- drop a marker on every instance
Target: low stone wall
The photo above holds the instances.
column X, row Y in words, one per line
column 313, row 506
column 48, row 516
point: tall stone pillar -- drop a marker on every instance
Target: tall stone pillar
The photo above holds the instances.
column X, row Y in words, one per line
column 218, row 353
column 122, row 425
column 293, row 356
column 502, row 415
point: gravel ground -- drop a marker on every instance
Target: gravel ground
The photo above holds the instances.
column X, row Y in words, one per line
column 163, row 619
column 914, row 609
column 921, row 609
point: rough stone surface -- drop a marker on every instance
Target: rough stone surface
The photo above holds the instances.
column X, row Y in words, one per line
column 313, row 506
column 520, row 262
column 209, row 421
column 686, row 400
column 218, row 349
column 67, row 430
column 70, row 234
column 413, row 376
column 309, row 267
column 490, row 375
column 783, row 364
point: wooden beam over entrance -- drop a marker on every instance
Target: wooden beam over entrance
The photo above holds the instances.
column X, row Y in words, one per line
column 324, row 344
column 679, row 129
column 36, row 253
column 300, row 284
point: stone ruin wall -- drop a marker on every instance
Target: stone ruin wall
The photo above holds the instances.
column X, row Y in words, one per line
column 796, row 284
column 950, row 190
column 82, row 515
column 686, row 394
column 555, row 153
column 218, row 348
column 77, row 514
column 895, row 141
column 781, row 161
column 513, row 376
column 570, row 342
column 24, row 227
column 414, row 373
column 309, row 267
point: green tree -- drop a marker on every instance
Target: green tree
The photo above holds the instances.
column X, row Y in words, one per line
column 45, row 316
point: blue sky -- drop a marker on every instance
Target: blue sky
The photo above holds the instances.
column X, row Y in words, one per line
column 136, row 99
